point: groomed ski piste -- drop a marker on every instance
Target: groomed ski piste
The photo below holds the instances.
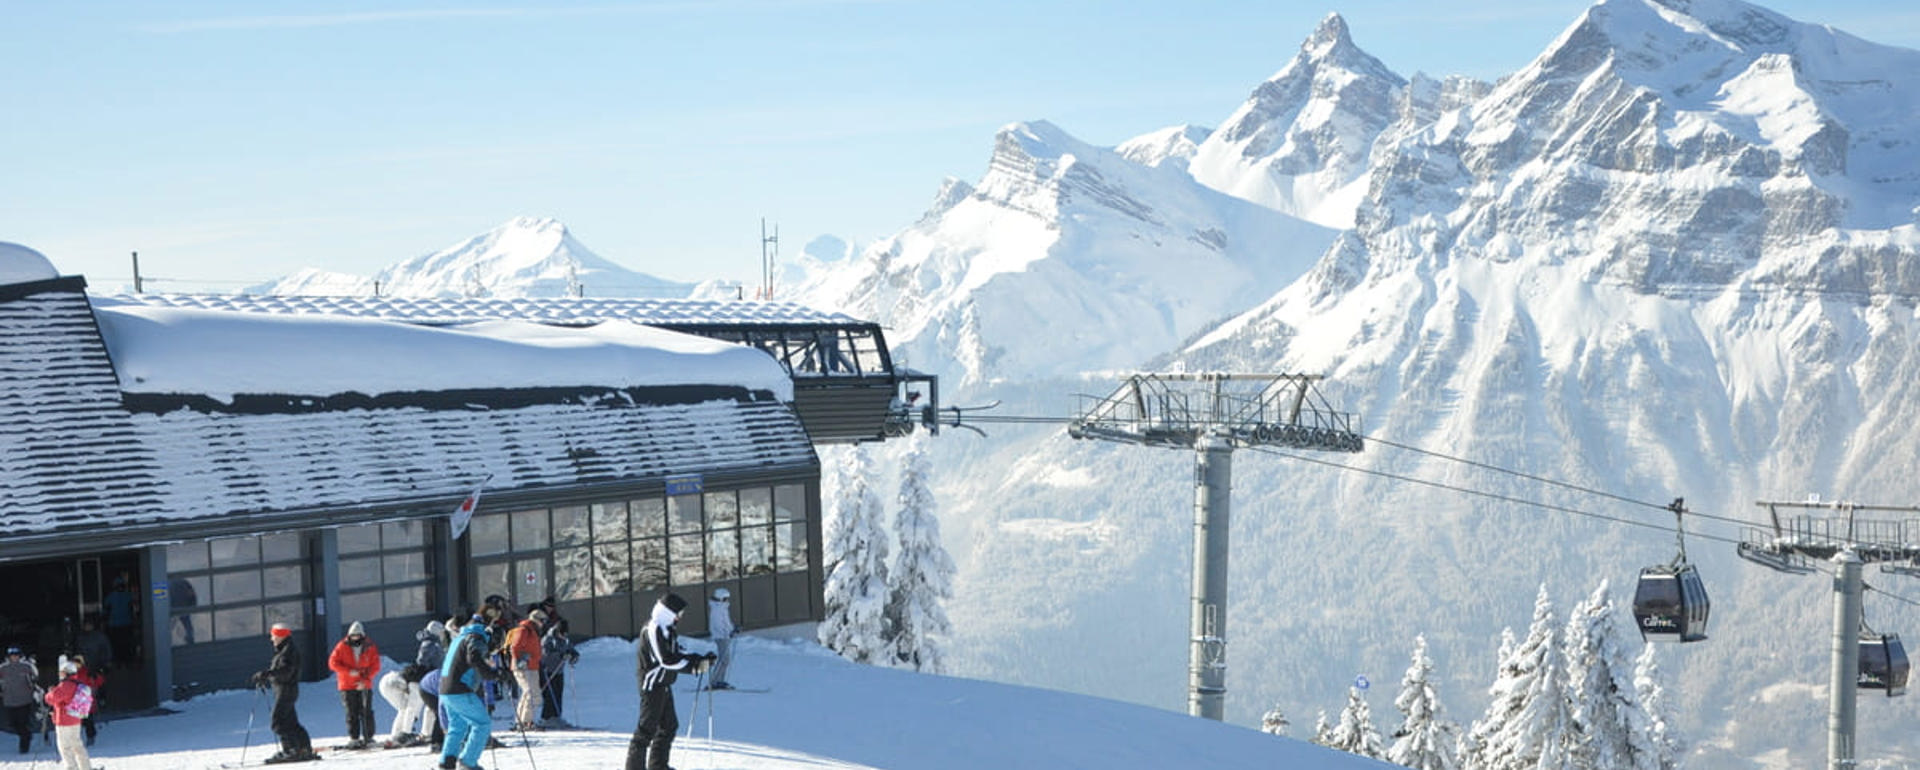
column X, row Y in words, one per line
column 818, row 711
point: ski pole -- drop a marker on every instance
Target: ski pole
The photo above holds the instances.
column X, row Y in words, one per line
column 251, row 710
column 699, row 683
column 709, row 729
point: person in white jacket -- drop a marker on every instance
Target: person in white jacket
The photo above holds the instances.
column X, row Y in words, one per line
column 401, row 689
column 720, row 627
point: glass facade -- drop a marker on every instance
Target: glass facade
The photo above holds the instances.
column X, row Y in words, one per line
column 385, row 571
column 238, row 587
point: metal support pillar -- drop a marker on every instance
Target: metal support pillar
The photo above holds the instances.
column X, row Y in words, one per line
column 1843, row 687
column 1207, row 663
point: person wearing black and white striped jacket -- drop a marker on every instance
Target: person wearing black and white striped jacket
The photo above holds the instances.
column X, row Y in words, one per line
column 660, row 662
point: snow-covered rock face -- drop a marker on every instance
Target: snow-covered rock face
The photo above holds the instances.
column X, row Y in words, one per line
column 19, row 264
column 526, row 257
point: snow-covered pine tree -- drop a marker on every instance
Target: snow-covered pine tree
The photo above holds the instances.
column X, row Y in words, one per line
column 1274, row 722
column 1470, row 747
column 1355, row 734
column 922, row 570
column 1526, row 726
column 1426, row 739
column 855, row 555
column 1322, row 729
column 1607, row 718
column 1662, row 736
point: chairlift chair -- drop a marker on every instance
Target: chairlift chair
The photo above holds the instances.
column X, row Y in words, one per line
column 1670, row 604
column 1883, row 664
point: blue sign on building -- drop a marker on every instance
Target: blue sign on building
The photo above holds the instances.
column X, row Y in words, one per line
column 686, row 484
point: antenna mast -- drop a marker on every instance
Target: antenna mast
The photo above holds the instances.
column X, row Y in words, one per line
column 1212, row 414
column 769, row 252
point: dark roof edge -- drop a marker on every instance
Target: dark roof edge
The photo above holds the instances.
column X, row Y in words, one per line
column 464, row 400
column 67, row 283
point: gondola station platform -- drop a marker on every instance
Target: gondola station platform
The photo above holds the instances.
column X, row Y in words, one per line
column 181, row 475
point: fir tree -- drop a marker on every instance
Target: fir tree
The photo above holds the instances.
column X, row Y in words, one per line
column 1526, row 725
column 855, row 553
column 1322, row 729
column 1274, row 722
column 1426, row 739
column 922, row 571
column 1662, row 737
column 1355, row 734
column 1608, row 722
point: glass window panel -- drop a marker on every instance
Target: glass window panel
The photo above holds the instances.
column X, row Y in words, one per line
column 405, row 566
column 756, row 550
column 791, row 550
column 723, row 554
column 361, row 606
column 756, row 505
column 684, row 559
column 285, row 581
column 186, row 557
column 683, row 513
column 611, row 575
column 532, row 583
column 650, row 563
column 360, row 539
column 411, row 600
column 230, row 587
column 363, row 572
column 530, row 530
column 281, row 546
column 238, row 623
column 609, row 522
column 201, row 624
column 195, row 588
column 789, row 502
column 649, row 517
column 572, row 573
column 403, row 534
column 495, row 578
column 294, row 614
column 570, row 525
column 489, row 533
column 723, row 509
column 235, row 551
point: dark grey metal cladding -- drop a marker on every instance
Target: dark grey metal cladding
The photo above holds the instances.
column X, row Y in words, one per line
column 845, row 412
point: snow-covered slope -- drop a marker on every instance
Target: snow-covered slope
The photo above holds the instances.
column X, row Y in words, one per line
column 1115, row 260
column 526, row 257
column 1674, row 256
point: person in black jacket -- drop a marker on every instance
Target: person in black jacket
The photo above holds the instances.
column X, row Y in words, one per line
column 283, row 673
column 660, row 662
column 462, row 677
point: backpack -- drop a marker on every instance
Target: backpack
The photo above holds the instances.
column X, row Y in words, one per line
column 82, row 703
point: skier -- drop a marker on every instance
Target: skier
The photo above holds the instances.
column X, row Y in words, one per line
column 284, row 674
column 433, row 645
column 20, row 693
column 430, row 694
column 401, row 689
column 461, row 678
column 94, row 680
column 660, row 662
column 720, row 627
column 70, row 701
column 556, row 653
column 355, row 661
column 523, row 654
column 123, row 613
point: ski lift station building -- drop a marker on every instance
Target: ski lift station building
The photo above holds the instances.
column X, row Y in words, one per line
column 187, row 471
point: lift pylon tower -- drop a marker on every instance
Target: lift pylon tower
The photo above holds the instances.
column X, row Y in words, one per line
column 1792, row 545
column 1214, row 413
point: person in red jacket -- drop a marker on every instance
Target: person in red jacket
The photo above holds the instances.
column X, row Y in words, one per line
column 94, row 680
column 71, row 701
column 355, row 663
column 523, row 648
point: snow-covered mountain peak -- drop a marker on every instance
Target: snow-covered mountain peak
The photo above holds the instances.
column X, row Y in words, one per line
column 1174, row 145
column 1330, row 39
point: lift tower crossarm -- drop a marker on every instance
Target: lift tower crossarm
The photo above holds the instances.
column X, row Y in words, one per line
column 1213, row 413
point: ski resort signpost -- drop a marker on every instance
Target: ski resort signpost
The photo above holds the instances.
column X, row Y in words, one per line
column 1214, row 413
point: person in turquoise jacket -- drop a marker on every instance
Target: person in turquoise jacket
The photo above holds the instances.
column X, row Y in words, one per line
column 462, row 677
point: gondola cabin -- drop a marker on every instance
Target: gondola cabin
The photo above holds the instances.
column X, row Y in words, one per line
column 1883, row 664
column 1670, row 604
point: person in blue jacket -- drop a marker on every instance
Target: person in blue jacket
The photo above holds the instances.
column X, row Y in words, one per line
column 462, row 677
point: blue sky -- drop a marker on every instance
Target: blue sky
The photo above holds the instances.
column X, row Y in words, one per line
column 230, row 143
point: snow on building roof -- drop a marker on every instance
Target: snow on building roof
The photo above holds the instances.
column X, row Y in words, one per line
column 19, row 264
column 222, row 353
column 564, row 311
column 537, row 407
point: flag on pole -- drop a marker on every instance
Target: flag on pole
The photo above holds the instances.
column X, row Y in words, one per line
column 464, row 514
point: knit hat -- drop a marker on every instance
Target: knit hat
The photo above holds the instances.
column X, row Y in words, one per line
column 673, row 603
column 436, row 627
column 280, row 631
column 356, row 629
column 539, row 616
column 68, row 667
